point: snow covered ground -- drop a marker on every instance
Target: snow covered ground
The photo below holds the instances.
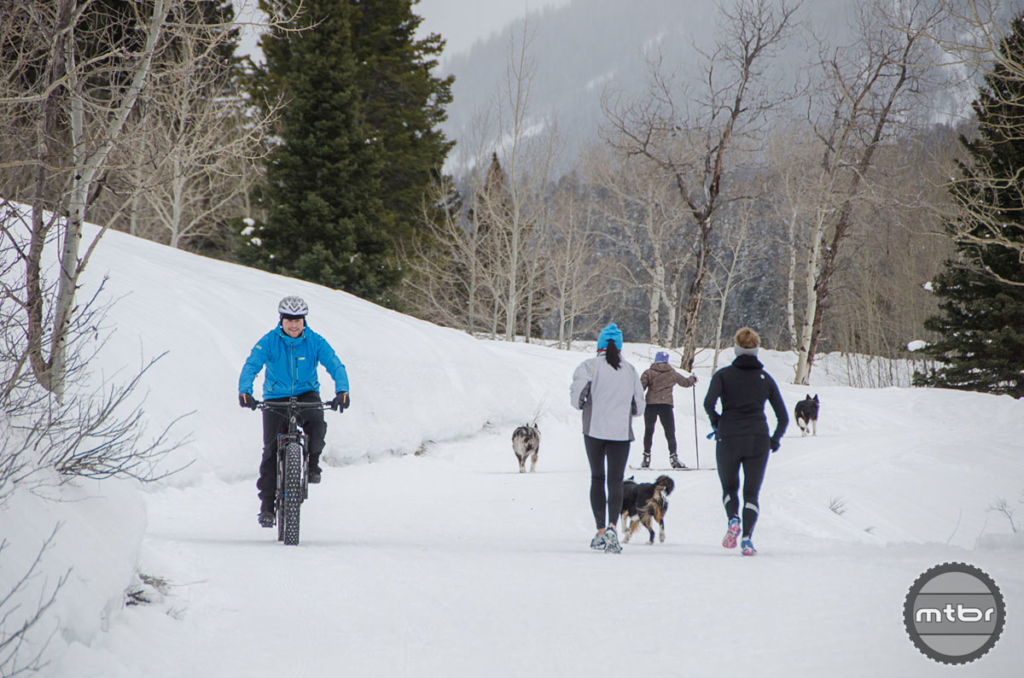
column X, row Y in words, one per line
column 448, row 562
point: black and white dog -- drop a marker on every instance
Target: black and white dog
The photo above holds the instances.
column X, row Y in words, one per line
column 807, row 415
column 645, row 504
column 526, row 444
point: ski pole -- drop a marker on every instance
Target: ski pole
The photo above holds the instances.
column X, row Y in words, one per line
column 696, row 446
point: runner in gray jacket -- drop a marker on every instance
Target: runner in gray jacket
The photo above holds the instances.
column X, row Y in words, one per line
column 608, row 390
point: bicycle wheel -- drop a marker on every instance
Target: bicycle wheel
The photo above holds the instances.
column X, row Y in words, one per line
column 292, row 493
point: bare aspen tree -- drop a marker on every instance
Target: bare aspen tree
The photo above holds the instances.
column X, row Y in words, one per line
column 511, row 211
column 577, row 276
column 974, row 42
column 444, row 281
column 535, row 282
column 880, row 302
column 490, row 214
column 75, row 132
column 526, row 147
column 696, row 139
column 199, row 145
column 867, row 89
column 97, row 430
column 730, row 260
column 645, row 220
column 798, row 203
column 73, row 76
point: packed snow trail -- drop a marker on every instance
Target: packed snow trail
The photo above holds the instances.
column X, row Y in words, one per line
column 454, row 564
column 451, row 563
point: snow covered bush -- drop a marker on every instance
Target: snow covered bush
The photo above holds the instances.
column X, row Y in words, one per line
column 67, row 559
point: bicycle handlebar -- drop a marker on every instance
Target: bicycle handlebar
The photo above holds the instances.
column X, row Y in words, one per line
column 286, row 405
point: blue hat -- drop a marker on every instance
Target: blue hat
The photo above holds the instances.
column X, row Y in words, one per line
column 610, row 333
column 661, row 357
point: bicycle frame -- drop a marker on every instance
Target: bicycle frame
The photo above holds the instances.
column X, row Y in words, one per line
column 292, row 467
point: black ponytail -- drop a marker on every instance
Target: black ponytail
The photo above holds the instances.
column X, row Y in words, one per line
column 612, row 355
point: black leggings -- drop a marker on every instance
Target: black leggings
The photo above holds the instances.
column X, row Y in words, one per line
column 750, row 452
column 617, row 452
column 312, row 423
column 668, row 422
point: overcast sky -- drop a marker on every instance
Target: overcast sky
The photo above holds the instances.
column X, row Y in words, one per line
column 461, row 22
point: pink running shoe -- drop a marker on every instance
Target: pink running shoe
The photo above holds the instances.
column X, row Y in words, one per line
column 748, row 548
column 734, row 531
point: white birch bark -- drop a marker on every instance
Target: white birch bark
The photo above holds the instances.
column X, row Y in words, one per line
column 88, row 166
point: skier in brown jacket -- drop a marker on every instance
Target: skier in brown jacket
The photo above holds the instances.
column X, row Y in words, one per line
column 659, row 381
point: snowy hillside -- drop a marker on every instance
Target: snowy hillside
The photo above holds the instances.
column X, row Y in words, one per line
column 425, row 553
column 582, row 49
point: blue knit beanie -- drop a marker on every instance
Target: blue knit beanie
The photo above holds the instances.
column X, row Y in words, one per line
column 661, row 357
column 610, row 333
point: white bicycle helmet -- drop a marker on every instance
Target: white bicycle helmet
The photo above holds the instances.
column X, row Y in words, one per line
column 292, row 305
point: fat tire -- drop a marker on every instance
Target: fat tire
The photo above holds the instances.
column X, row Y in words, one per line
column 292, row 500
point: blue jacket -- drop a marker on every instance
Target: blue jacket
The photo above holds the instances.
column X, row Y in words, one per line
column 291, row 364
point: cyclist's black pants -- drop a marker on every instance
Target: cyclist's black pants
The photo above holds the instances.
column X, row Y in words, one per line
column 617, row 451
column 311, row 421
column 750, row 452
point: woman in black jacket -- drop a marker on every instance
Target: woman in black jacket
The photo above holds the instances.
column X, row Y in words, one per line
column 742, row 433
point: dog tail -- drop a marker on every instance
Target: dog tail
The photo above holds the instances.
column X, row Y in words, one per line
column 654, row 508
column 540, row 408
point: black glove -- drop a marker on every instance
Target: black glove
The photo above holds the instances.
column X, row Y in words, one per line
column 774, row 444
column 585, row 395
column 246, row 400
column 340, row 402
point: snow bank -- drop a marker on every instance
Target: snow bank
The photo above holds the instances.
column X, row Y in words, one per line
column 218, row 311
column 97, row 528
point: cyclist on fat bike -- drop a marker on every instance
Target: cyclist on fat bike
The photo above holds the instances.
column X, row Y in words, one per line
column 291, row 353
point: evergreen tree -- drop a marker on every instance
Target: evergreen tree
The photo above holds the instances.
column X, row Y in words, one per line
column 403, row 103
column 981, row 319
column 359, row 141
column 327, row 222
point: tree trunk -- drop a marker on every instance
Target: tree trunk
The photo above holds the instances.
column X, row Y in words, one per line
column 828, row 269
column 653, row 316
column 695, row 298
column 804, row 355
column 43, row 198
column 791, row 284
column 672, row 303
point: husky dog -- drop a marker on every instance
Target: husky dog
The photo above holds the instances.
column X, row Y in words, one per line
column 807, row 415
column 526, row 444
column 645, row 503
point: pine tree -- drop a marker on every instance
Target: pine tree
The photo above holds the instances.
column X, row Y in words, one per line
column 360, row 141
column 981, row 319
column 402, row 102
column 327, row 221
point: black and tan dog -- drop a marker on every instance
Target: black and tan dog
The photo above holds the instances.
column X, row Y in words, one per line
column 526, row 445
column 806, row 412
column 645, row 504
